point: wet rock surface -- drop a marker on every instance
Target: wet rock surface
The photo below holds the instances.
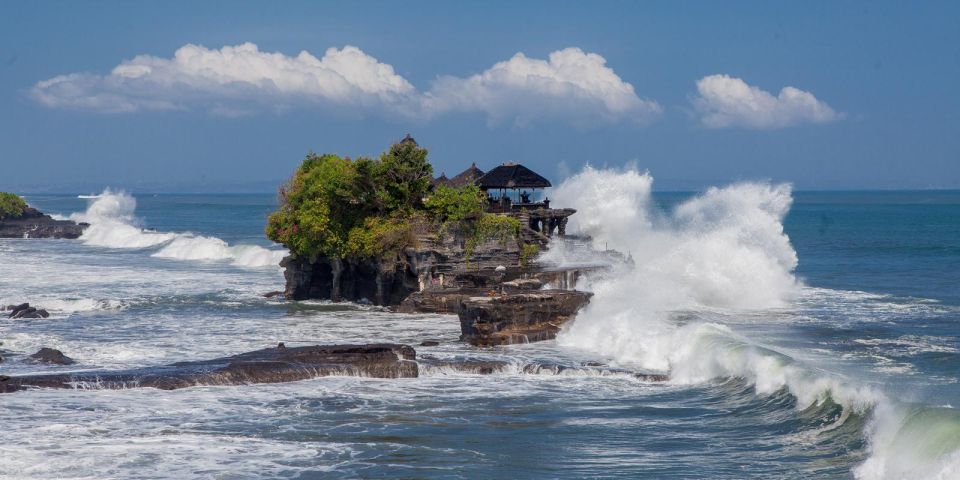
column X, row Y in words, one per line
column 24, row 310
column 51, row 356
column 518, row 318
column 271, row 365
column 35, row 224
column 440, row 301
column 490, row 367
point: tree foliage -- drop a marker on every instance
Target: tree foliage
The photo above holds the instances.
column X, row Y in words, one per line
column 337, row 207
column 448, row 203
column 404, row 176
column 11, row 205
column 366, row 208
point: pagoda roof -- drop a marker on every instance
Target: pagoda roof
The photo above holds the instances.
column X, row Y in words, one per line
column 512, row 176
column 466, row 177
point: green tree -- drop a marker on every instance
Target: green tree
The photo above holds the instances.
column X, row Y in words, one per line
column 318, row 207
column 404, row 176
column 11, row 205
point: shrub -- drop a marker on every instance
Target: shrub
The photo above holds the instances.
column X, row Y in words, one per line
column 380, row 236
column 11, row 205
column 455, row 204
column 528, row 252
column 491, row 226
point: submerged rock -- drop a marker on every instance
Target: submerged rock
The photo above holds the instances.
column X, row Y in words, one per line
column 271, row 365
column 51, row 356
column 518, row 318
column 474, row 367
column 35, row 224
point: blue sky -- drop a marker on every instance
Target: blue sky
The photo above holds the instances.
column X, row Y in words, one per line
column 190, row 96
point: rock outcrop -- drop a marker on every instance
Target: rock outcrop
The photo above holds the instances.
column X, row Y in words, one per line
column 51, row 356
column 24, row 310
column 518, row 318
column 437, row 261
column 271, row 365
column 35, row 224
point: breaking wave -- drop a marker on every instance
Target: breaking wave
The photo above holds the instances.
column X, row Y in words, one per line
column 114, row 225
column 725, row 250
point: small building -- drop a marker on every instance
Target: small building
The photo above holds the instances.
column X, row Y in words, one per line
column 511, row 189
column 514, row 186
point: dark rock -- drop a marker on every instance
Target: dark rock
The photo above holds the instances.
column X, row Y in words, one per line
column 51, row 356
column 518, row 318
column 276, row 293
column 24, row 310
column 475, row 367
column 438, row 261
column 35, row 224
column 281, row 345
column 429, row 343
column 17, row 308
column 652, row 377
column 29, row 312
column 271, row 365
column 440, row 301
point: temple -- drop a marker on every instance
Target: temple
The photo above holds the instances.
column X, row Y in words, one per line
column 512, row 189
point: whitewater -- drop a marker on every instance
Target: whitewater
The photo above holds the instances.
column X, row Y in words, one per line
column 727, row 250
column 784, row 360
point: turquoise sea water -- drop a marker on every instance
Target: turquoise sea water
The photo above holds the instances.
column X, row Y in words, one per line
column 854, row 374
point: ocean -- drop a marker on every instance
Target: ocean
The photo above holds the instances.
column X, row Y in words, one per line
column 806, row 335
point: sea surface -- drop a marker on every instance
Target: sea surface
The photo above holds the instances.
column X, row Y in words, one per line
column 807, row 335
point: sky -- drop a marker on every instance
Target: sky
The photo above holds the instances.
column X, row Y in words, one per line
column 229, row 96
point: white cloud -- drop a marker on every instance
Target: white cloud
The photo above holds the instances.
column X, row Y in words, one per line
column 726, row 101
column 233, row 74
column 572, row 85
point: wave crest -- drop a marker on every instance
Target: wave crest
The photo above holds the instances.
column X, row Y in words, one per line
column 114, row 225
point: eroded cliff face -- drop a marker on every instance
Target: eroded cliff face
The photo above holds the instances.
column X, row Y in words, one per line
column 436, row 261
column 35, row 224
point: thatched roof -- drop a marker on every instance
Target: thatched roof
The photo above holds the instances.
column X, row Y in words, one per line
column 512, row 175
column 408, row 139
column 441, row 180
column 466, row 177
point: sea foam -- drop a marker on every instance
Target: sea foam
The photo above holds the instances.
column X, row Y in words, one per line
column 113, row 224
column 725, row 250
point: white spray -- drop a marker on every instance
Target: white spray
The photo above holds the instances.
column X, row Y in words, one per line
column 114, row 225
column 724, row 250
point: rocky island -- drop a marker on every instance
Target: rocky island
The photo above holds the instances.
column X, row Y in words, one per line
column 19, row 220
column 384, row 231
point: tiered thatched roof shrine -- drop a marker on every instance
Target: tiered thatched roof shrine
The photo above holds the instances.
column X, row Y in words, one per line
column 511, row 189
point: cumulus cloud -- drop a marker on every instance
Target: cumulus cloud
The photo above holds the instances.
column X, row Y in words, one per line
column 570, row 84
column 219, row 79
column 725, row 101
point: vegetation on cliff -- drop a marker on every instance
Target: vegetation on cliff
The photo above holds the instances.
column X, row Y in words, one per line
column 11, row 205
column 336, row 207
